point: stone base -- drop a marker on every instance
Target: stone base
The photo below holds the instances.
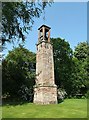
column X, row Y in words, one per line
column 45, row 95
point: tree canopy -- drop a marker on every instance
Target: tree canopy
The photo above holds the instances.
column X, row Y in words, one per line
column 80, row 60
column 81, row 51
column 18, row 18
column 70, row 68
column 62, row 63
column 18, row 71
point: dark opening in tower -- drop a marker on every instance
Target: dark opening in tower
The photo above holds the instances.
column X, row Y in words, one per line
column 44, row 34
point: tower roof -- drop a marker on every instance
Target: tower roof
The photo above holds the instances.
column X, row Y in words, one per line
column 44, row 26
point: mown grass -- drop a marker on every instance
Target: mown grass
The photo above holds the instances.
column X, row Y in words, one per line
column 70, row 108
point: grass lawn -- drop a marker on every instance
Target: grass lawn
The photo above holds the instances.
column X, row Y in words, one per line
column 70, row 108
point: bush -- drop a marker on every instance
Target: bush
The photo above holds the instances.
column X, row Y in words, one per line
column 61, row 94
column 25, row 93
column 87, row 94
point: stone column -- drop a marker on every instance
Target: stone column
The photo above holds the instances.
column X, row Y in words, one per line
column 38, row 34
column 45, row 90
column 43, row 33
column 49, row 36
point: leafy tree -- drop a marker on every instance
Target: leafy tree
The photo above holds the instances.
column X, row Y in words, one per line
column 71, row 72
column 76, row 78
column 81, row 67
column 62, row 63
column 81, row 51
column 18, row 18
column 18, row 72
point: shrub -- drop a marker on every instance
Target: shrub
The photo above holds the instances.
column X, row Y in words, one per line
column 61, row 94
column 25, row 93
column 87, row 94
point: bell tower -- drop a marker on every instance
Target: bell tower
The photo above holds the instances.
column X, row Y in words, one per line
column 45, row 90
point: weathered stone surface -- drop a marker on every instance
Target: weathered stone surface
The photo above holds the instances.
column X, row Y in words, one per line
column 45, row 95
column 45, row 90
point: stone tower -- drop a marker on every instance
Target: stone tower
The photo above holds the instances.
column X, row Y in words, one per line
column 45, row 90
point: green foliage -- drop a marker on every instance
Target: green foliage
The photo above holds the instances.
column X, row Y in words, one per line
column 80, row 73
column 18, row 18
column 87, row 94
column 71, row 72
column 62, row 63
column 81, row 51
column 18, row 70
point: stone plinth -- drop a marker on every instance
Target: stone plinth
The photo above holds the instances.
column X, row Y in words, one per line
column 45, row 95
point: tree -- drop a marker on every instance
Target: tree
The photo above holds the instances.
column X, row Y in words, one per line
column 18, row 18
column 71, row 71
column 18, row 72
column 62, row 63
column 81, row 67
column 81, row 51
column 76, row 78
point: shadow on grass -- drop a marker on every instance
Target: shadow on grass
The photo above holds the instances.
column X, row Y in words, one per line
column 14, row 102
column 60, row 101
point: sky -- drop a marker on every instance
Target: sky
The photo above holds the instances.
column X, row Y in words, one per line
column 67, row 20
